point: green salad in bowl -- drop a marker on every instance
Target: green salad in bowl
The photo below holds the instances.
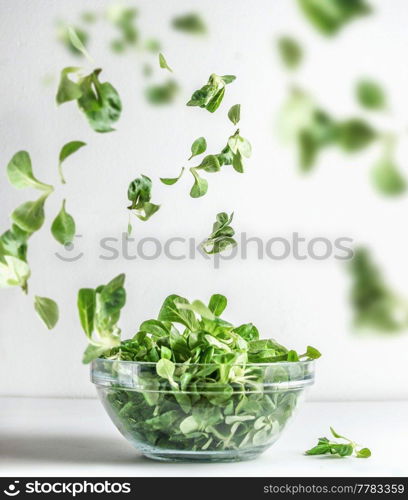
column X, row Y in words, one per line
column 190, row 385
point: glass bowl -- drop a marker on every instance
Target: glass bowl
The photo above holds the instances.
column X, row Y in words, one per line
column 198, row 418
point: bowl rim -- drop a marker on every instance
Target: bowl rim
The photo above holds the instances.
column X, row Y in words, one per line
column 305, row 362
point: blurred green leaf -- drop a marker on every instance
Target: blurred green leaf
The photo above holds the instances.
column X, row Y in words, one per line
column 329, row 16
column 77, row 43
column 152, row 45
column 290, row 51
column 89, row 17
column 81, row 38
column 375, row 306
column 160, row 94
column 147, row 70
column 387, row 179
column 370, row 95
column 354, row 134
column 190, row 23
column 123, row 18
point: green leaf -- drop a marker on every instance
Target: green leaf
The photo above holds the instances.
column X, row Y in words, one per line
column 336, row 434
column 99, row 312
column 169, row 181
column 375, row 307
column 370, row 95
column 77, row 43
column 386, row 177
column 89, row 17
column 162, row 94
column 363, row 453
column 309, row 148
column 343, row 450
column 200, row 185
column 234, row 114
column 320, row 449
column 240, row 145
column 165, row 369
column 190, row 23
column 228, row 78
column 47, row 309
column 113, row 295
column 312, row 353
column 324, row 446
column 171, row 312
column 210, row 163
column 354, row 134
column 30, row 215
column 215, row 102
column 221, row 236
column 189, row 425
column 64, row 37
column 123, row 18
column 237, row 163
column 139, row 193
column 86, row 308
column 152, row 45
column 14, row 272
column 163, row 63
column 290, row 52
column 292, row 356
column 330, row 17
column 67, row 150
column 198, row 307
column 154, row 327
column 14, row 242
column 67, row 89
column 100, row 102
column 217, row 304
column 20, row 173
column 63, row 227
column 93, row 352
column 248, row 332
column 198, row 147
column 210, row 95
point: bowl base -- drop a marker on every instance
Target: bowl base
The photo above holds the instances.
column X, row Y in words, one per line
column 206, row 457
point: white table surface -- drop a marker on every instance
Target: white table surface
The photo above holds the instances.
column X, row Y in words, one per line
column 72, row 437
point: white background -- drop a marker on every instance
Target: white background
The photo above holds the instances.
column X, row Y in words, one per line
column 297, row 302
